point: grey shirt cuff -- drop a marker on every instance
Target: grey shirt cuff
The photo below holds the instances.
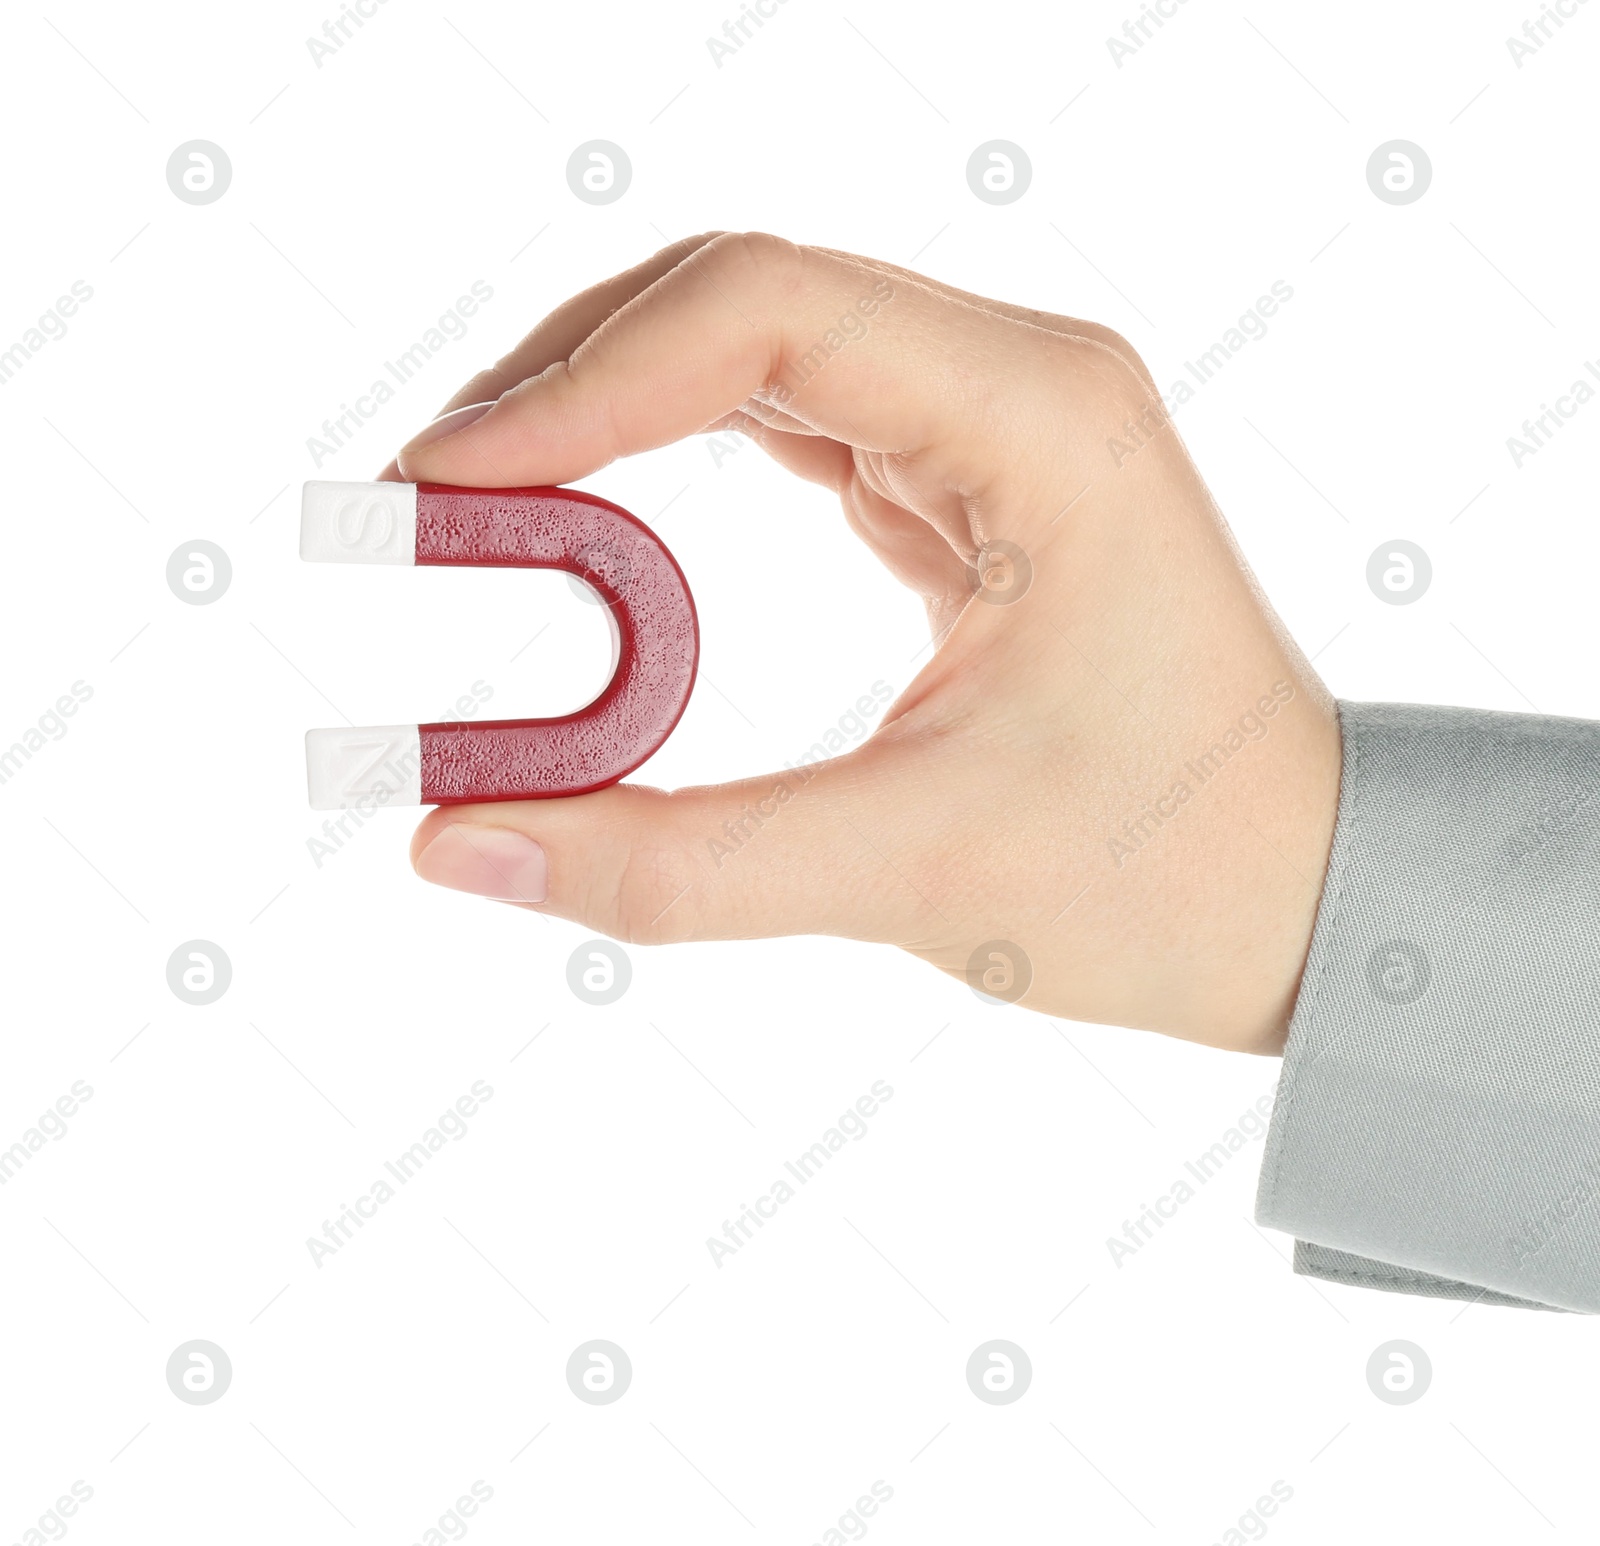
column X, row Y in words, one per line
column 1437, row 1123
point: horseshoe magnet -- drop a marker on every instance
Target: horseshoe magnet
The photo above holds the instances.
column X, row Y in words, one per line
column 655, row 642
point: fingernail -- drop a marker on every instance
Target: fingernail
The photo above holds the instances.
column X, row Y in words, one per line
column 446, row 424
column 487, row 861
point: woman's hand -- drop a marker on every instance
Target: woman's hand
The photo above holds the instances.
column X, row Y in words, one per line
column 1114, row 782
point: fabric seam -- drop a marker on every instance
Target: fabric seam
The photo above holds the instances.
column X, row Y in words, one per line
column 1352, row 1279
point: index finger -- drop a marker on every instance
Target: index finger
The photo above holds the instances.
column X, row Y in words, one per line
column 562, row 331
column 871, row 359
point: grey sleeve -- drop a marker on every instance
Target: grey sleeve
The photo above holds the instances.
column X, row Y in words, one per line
column 1437, row 1123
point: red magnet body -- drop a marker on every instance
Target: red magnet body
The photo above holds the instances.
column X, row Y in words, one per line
column 655, row 634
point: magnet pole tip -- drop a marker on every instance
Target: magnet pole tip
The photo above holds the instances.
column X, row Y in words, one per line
column 367, row 766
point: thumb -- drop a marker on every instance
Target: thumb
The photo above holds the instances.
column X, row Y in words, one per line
column 798, row 852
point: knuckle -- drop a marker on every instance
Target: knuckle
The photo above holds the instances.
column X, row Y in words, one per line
column 1106, row 352
column 1109, row 338
column 760, row 260
column 648, row 900
column 1094, row 380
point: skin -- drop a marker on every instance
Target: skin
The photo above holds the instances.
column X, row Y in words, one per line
column 994, row 801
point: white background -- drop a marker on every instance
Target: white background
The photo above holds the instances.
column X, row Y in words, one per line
column 1168, row 1393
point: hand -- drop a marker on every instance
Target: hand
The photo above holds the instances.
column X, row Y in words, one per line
column 1124, row 770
